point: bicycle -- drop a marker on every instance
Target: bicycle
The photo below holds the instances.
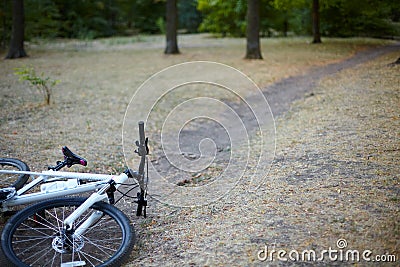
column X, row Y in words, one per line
column 70, row 231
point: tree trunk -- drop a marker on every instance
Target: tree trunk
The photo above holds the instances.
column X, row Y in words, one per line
column 4, row 37
column 17, row 35
column 171, row 28
column 285, row 27
column 315, row 22
column 253, row 50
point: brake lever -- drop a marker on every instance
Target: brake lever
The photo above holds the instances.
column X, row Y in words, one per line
column 146, row 141
column 142, row 149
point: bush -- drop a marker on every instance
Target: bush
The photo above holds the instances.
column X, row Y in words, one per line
column 43, row 84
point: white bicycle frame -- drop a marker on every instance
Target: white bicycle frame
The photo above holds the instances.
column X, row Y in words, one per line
column 99, row 183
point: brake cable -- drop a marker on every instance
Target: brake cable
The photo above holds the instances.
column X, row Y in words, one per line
column 136, row 185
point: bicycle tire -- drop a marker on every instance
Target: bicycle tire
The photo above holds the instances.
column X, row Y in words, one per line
column 31, row 239
column 11, row 180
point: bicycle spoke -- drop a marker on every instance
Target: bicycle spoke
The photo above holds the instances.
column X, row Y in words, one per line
column 100, row 247
column 34, row 245
column 30, row 239
column 44, row 235
column 54, row 258
column 87, row 259
column 58, row 221
column 101, row 224
column 39, row 237
column 39, row 252
column 87, row 256
column 49, row 226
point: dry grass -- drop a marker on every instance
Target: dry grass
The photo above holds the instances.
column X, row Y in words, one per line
column 99, row 78
column 335, row 175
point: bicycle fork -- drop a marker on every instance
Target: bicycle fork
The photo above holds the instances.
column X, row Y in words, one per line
column 100, row 195
column 95, row 197
column 71, row 240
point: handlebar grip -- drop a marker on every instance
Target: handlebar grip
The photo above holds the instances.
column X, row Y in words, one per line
column 141, row 133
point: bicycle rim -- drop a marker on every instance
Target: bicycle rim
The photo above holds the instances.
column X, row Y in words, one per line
column 36, row 236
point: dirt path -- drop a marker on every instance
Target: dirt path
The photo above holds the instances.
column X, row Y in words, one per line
column 283, row 93
column 334, row 176
column 280, row 97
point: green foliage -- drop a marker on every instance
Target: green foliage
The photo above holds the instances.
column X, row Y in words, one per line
column 161, row 25
column 229, row 17
column 189, row 17
column 273, row 22
column 43, row 84
column 223, row 17
column 5, row 19
column 361, row 18
column 338, row 17
column 145, row 14
column 344, row 18
column 84, row 19
column 42, row 19
column 88, row 19
column 288, row 4
column 300, row 21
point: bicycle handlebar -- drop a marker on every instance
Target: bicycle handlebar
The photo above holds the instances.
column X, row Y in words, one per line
column 142, row 150
column 141, row 133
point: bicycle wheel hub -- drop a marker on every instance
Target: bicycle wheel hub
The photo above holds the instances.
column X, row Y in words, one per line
column 65, row 245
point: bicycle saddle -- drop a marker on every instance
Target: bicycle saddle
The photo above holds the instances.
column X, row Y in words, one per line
column 71, row 158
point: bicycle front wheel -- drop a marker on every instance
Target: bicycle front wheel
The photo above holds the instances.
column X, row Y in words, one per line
column 13, row 180
column 36, row 236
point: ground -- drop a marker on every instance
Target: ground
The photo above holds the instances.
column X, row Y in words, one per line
column 335, row 171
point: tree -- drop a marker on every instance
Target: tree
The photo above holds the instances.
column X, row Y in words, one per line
column 171, row 27
column 253, row 50
column 315, row 22
column 17, row 35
